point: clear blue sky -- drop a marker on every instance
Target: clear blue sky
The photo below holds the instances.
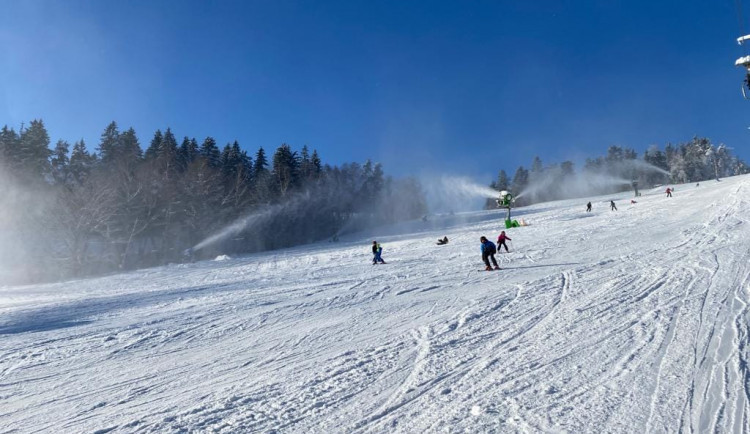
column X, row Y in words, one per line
column 460, row 87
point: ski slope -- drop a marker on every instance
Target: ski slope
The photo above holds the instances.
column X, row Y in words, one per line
column 628, row 321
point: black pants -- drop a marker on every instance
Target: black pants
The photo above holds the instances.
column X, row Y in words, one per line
column 502, row 244
column 486, row 256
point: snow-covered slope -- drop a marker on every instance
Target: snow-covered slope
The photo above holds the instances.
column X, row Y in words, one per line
column 627, row 321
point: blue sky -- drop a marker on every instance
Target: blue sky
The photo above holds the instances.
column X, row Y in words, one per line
column 455, row 87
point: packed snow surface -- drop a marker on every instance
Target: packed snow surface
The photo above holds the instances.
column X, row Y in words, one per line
column 611, row 321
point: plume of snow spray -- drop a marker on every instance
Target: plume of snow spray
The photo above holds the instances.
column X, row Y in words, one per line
column 455, row 192
column 643, row 166
column 254, row 219
column 582, row 184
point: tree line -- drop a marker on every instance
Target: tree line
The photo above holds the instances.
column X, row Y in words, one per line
column 70, row 212
column 693, row 161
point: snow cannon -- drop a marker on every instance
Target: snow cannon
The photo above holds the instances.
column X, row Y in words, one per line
column 506, row 201
column 634, row 183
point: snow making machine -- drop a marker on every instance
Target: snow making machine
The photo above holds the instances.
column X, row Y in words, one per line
column 505, row 200
column 634, row 184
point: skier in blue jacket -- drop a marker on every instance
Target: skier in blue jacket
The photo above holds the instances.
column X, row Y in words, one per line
column 488, row 252
column 377, row 250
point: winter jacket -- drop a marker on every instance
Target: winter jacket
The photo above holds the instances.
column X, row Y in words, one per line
column 489, row 247
column 503, row 237
column 376, row 248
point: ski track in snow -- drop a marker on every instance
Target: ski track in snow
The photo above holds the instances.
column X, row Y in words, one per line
column 628, row 321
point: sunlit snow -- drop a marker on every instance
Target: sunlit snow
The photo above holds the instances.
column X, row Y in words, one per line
column 611, row 321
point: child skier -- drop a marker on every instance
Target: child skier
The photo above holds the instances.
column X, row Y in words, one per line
column 669, row 192
column 376, row 251
column 588, row 207
column 501, row 241
column 612, row 205
column 488, row 252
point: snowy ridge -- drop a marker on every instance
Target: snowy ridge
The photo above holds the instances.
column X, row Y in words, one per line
column 627, row 321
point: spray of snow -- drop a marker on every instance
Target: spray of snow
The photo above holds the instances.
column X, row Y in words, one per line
column 582, row 184
column 455, row 193
column 642, row 166
column 586, row 183
column 252, row 220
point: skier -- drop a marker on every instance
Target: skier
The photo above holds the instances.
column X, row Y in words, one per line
column 443, row 241
column 488, row 252
column 669, row 192
column 632, row 201
column 377, row 249
column 501, row 241
column 588, row 207
column 612, row 205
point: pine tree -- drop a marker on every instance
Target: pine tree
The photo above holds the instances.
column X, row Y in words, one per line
column 168, row 153
column 285, row 168
column 536, row 166
column 210, row 152
column 306, row 165
column 316, row 164
column 60, row 161
column 35, row 152
column 109, row 144
column 130, row 148
column 80, row 163
column 262, row 178
column 502, row 183
column 520, row 181
column 9, row 146
column 153, row 149
column 188, row 152
column 261, row 162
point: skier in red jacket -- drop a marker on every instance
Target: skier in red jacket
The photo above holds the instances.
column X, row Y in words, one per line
column 669, row 192
column 501, row 241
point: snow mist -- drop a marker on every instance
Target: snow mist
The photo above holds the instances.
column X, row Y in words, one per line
column 582, row 184
column 455, row 193
column 251, row 221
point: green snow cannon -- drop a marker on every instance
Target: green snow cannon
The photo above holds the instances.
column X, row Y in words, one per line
column 505, row 200
column 511, row 224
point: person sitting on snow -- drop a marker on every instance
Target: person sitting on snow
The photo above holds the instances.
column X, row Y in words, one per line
column 443, row 241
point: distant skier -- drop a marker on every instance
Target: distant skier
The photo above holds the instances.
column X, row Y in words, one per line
column 440, row 242
column 612, row 205
column 669, row 192
column 488, row 252
column 501, row 241
column 632, row 201
column 377, row 250
column 588, row 207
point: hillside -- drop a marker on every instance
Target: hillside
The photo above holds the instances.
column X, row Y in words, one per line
column 627, row 321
